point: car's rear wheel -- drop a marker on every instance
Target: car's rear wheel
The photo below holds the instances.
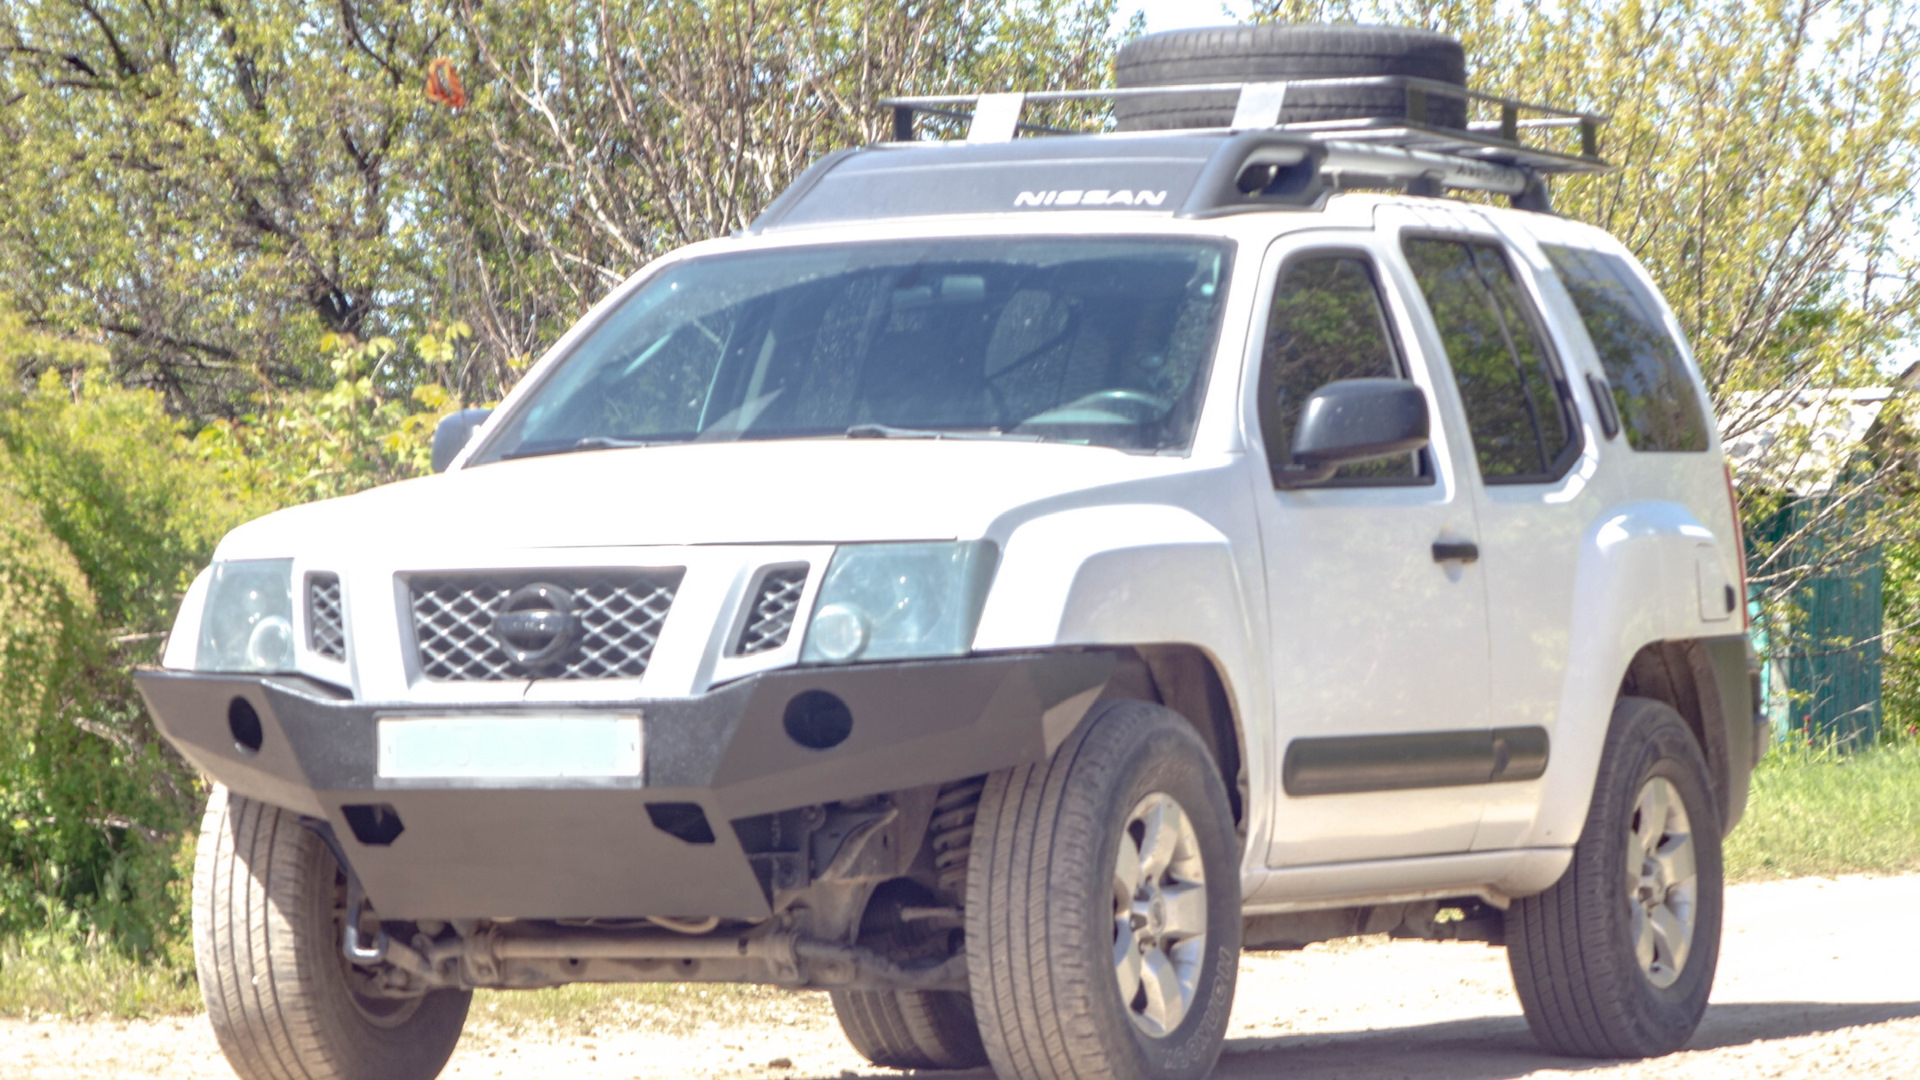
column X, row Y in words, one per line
column 909, row 1029
column 1103, row 905
column 269, row 901
column 1617, row 959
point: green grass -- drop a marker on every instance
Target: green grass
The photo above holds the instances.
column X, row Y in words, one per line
column 78, row 981
column 1819, row 813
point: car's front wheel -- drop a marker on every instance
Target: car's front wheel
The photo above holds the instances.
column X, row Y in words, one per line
column 1617, row 959
column 268, row 904
column 1103, row 905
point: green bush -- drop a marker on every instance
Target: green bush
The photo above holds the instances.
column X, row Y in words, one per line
column 107, row 510
column 371, row 427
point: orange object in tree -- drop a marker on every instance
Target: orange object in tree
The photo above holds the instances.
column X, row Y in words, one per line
column 443, row 84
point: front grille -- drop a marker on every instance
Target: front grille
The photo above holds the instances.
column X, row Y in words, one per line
column 619, row 614
column 326, row 622
column 774, row 608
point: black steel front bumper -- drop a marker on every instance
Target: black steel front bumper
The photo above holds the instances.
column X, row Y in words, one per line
column 577, row 848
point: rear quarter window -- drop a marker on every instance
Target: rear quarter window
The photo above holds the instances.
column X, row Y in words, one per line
column 1652, row 390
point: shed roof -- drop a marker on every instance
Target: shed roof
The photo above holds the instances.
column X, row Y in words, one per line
column 1798, row 441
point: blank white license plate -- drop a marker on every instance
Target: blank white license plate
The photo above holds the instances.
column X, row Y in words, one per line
column 509, row 746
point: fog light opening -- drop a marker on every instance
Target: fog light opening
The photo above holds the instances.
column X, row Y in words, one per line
column 818, row 720
column 244, row 723
column 373, row 824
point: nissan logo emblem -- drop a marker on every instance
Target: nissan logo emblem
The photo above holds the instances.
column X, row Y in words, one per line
column 536, row 625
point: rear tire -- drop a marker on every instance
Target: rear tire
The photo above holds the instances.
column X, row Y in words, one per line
column 908, row 1029
column 1277, row 52
column 1617, row 959
column 267, row 942
column 1103, row 906
column 911, row 1029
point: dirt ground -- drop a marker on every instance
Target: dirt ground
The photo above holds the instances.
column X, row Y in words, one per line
column 1817, row 979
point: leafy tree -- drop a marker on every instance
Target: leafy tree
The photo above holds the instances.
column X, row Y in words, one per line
column 216, row 187
column 361, row 432
column 1767, row 160
column 603, row 134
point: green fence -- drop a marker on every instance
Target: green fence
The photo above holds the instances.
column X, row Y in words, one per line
column 1823, row 667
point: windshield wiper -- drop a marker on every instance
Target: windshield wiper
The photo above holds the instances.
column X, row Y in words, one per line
column 888, row 431
column 591, row 442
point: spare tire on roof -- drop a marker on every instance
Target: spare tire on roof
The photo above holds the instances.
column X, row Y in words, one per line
column 1276, row 52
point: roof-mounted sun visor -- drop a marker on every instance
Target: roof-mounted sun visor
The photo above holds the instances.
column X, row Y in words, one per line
column 1157, row 174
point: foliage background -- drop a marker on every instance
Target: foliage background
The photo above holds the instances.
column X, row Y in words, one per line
column 246, row 261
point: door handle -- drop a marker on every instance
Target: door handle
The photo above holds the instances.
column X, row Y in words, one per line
column 1465, row 551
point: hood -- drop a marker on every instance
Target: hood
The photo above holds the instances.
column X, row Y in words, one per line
column 811, row 491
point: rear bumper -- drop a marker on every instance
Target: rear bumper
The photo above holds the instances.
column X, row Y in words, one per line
column 580, row 848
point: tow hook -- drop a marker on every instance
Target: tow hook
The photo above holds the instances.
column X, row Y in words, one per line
column 351, row 943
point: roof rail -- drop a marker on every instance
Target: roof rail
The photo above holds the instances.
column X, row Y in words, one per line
column 1486, row 155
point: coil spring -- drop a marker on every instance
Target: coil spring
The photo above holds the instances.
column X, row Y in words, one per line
column 952, row 832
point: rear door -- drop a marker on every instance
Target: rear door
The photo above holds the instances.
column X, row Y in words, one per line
column 1532, row 481
column 1379, row 650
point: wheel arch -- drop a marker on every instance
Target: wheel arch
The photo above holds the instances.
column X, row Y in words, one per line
column 1690, row 675
column 1185, row 680
column 1164, row 589
column 1643, row 629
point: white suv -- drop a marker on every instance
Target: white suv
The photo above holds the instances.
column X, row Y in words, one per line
column 1004, row 583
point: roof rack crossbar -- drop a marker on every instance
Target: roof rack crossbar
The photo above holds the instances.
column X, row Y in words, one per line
column 1431, row 86
column 995, row 117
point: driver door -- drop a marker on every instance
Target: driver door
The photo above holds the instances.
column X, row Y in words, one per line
column 1379, row 625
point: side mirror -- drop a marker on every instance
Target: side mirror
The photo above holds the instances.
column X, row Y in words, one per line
column 453, row 434
column 1353, row 420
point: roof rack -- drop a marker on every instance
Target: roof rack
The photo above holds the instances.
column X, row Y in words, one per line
column 1427, row 158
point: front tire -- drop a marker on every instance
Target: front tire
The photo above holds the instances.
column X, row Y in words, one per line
column 1103, row 906
column 267, row 900
column 1617, row 959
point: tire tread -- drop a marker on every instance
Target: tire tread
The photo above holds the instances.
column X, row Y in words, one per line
column 1569, row 971
column 1032, row 981
column 264, row 971
column 910, row 1029
column 1277, row 51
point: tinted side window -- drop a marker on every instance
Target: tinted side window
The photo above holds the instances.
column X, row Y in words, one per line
column 1327, row 324
column 1516, row 405
column 1659, row 408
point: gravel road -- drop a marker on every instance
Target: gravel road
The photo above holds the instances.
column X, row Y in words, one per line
column 1817, row 979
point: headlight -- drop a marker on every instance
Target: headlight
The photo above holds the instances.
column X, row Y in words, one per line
column 247, row 624
column 894, row 601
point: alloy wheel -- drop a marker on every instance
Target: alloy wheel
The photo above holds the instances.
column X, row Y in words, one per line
column 1159, row 914
column 1662, row 881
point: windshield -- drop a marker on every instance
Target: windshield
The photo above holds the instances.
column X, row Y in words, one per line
column 1075, row 339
